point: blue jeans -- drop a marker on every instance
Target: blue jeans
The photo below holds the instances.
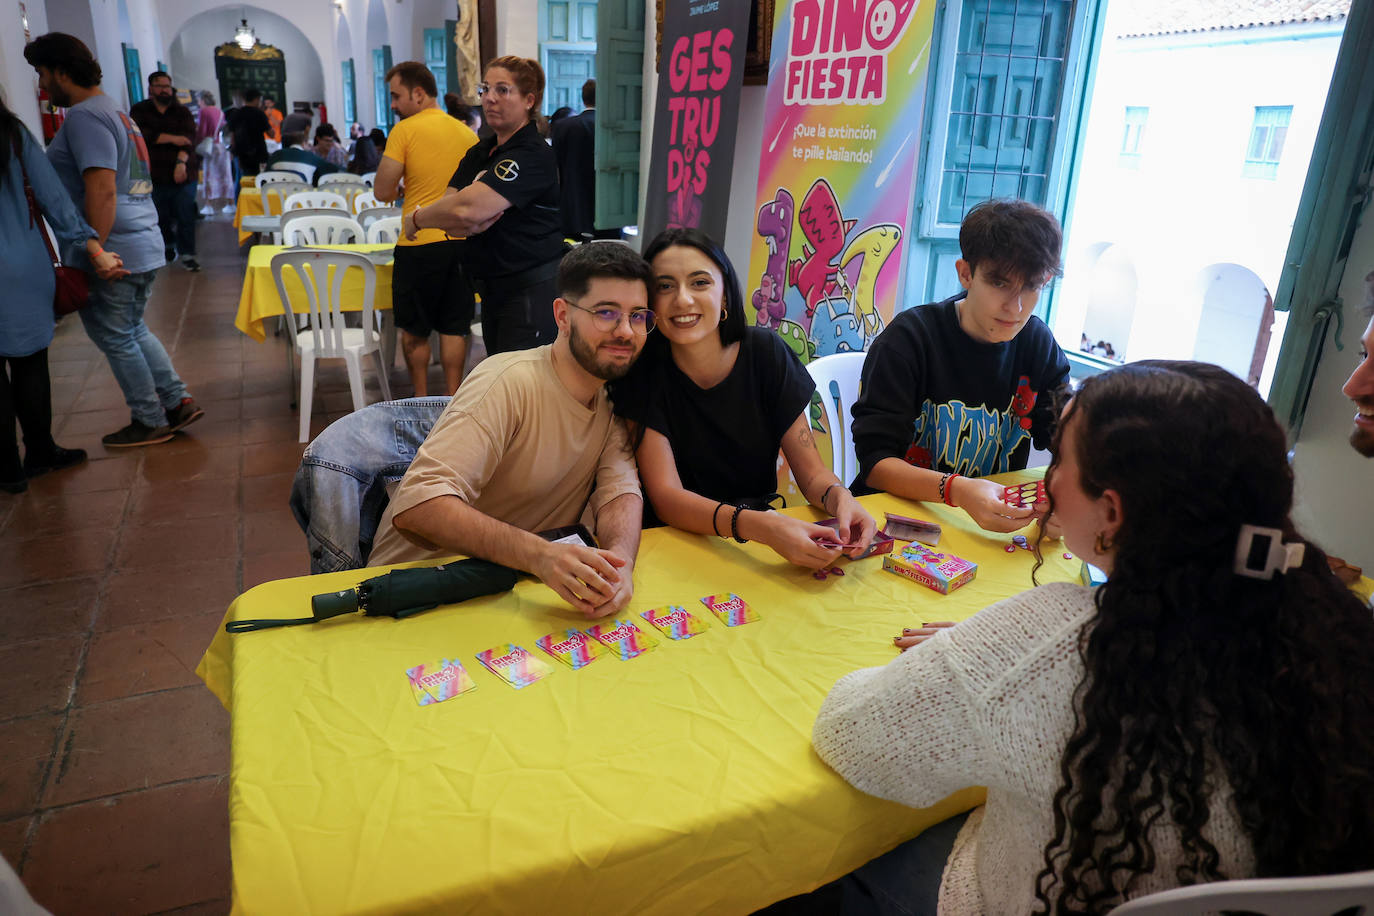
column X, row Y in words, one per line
column 176, row 217
column 114, row 323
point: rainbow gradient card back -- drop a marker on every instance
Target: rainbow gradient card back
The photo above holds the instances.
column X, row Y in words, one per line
column 676, row 622
column 435, row 682
column 572, row 647
column 730, row 609
column 514, row 664
column 623, row 638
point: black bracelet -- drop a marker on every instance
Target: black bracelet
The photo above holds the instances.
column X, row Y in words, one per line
column 715, row 527
column 827, row 493
column 734, row 525
column 944, row 481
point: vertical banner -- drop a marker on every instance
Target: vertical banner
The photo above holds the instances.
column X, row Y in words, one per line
column 699, row 81
column 842, row 131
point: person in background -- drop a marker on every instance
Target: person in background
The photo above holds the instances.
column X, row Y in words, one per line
column 248, row 126
column 295, row 131
column 1360, row 386
column 378, row 137
column 1205, row 714
column 959, row 390
column 102, row 160
column 170, row 132
column 26, row 317
column 529, row 443
column 706, row 379
column 504, row 201
column 274, row 118
column 574, row 147
column 429, row 289
column 328, row 146
column 464, row 112
column 217, row 182
column 365, row 157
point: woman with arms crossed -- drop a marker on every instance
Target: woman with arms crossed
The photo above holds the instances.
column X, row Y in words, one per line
column 503, row 201
column 715, row 401
column 1206, row 714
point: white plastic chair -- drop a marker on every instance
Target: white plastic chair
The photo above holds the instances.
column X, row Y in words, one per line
column 271, row 176
column 341, row 178
column 316, row 227
column 1315, row 896
column 305, row 170
column 384, row 231
column 274, row 194
column 366, row 200
column 321, row 273
column 837, row 380
column 369, row 215
column 315, row 200
column 368, row 178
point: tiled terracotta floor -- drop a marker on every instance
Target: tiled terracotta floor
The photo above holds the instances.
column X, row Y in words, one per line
column 114, row 576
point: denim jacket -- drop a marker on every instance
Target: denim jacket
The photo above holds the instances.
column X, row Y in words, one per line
column 339, row 492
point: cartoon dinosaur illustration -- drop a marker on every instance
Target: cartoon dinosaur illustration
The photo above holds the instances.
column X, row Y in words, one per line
column 838, row 331
column 874, row 246
column 794, row 335
column 775, row 225
column 825, row 228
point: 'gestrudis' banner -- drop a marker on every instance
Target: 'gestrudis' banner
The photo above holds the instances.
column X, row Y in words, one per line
column 843, row 118
column 700, row 73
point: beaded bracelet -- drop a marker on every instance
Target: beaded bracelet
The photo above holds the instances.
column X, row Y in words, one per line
column 734, row 525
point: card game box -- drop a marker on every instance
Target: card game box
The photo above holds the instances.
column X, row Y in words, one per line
column 943, row 572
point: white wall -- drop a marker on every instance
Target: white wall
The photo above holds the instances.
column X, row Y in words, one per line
column 18, row 82
column 192, row 54
column 517, row 28
column 1335, row 500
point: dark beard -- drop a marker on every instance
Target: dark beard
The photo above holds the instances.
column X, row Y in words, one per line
column 585, row 355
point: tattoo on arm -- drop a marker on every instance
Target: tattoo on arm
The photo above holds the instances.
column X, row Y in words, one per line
column 805, row 438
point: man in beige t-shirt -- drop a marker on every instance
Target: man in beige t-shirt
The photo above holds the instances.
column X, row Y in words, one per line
column 529, row 443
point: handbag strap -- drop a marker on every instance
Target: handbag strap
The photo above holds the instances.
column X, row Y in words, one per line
column 35, row 215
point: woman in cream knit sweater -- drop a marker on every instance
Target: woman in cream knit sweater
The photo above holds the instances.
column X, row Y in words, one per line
column 1208, row 713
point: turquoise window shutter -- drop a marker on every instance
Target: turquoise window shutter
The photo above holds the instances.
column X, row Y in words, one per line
column 619, row 102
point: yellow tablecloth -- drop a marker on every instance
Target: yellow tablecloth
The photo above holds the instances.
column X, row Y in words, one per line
column 249, row 204
column 259, row 299
column 682, row 781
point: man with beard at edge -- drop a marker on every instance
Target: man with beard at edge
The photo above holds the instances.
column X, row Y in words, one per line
column 529, row 443
column 1360, row 386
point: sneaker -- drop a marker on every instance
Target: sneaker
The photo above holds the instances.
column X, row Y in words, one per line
column 14, row 486
column 55, row 460
column 191, row 264
column 137, row 433
column 184, row 414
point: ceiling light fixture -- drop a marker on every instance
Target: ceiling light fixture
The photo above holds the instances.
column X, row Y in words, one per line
column 244, row 37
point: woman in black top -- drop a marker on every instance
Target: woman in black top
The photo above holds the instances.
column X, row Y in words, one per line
column 716, row 400
column 504, row 201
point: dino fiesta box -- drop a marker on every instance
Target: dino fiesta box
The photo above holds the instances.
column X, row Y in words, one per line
column 943, row 572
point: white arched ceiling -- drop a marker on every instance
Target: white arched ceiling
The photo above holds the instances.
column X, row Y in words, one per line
column 192, row 52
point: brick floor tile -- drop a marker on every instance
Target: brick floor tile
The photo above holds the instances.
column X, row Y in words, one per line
column 144, row 852
column 37, row 677
column 271, row 458
column 47, row 609
column 138, row 742
column 269, row 566
column 28, row 745
column 162, row 466
column 49, row 513
column 13, row 836
column 164, row 547
column 272, row 532
column 69, row 555
column 100, row 472
column 196, row 588
column 160, row 504
column 141, row 659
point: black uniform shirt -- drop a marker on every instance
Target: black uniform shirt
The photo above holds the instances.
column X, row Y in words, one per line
column 524, row 172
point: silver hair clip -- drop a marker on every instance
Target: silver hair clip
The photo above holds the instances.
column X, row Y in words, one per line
column 1261, row 552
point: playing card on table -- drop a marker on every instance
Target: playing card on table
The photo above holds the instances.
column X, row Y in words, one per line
column 514, row 664
column 572, row 647
column 675, row 621
column 730, row 609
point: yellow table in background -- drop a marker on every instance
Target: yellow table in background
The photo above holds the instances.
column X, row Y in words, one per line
column 259, row 299
column 249, row 204
column 682, row 781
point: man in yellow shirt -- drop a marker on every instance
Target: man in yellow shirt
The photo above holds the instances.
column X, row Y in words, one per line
column 429, row 291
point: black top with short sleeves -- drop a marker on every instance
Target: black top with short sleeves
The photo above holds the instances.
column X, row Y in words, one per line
column 523, row 171
column 726, row 438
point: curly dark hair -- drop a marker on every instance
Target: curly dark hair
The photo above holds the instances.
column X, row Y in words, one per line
column 1016, row 236
column 1192, row 673
column 59, row 51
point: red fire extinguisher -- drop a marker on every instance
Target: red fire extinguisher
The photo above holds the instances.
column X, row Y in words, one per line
column 52, row 116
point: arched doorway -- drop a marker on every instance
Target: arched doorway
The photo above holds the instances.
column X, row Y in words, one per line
column 1111, row 300
column 1236, row 320
column 192, row 52
column 379, row 50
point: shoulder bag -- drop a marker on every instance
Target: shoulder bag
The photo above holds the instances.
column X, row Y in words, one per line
column 73, row 286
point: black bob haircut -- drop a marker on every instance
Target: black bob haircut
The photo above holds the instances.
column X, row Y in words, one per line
column 732, row 325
